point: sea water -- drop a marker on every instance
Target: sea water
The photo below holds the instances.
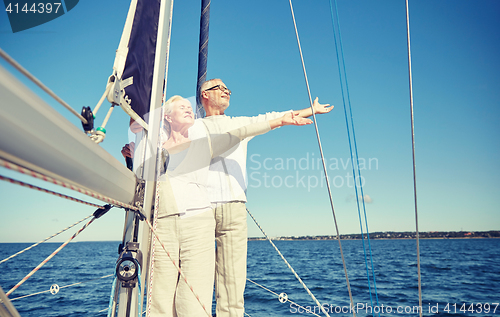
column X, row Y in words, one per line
column 455, row 274
column 460, row 277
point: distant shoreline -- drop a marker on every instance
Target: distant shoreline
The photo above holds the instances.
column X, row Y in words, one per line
column 390, row 235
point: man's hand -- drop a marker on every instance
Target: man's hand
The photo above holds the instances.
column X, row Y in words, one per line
column 291, row 118
column 319, row 108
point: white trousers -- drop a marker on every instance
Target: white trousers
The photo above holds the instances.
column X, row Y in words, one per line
column 231, row 258
column 190, row 242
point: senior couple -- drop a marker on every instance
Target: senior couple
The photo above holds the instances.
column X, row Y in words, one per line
column 202, row 199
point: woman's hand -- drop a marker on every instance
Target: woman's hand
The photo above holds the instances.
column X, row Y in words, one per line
column 128, row 150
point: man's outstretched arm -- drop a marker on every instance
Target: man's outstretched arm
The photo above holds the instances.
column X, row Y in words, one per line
column 318, row 109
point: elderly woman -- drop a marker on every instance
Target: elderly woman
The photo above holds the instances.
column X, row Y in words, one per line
column 186, row 222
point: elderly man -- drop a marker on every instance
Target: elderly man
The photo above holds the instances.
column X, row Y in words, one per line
column 227, row 187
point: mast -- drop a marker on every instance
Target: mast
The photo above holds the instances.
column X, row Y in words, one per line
column 140, row 79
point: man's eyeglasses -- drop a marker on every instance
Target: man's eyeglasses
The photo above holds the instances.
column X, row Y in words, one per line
column 222, row 88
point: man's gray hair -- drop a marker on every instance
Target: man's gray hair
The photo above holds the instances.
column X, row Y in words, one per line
column 206, row 84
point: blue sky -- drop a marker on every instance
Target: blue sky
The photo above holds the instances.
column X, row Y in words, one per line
column 455, row 49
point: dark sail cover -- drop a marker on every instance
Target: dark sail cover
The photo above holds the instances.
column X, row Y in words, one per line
column 141, row 55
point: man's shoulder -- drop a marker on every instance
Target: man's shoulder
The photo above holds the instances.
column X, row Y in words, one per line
column 222, row 117
column 197, row 130
column 224, row 123
column 225, row 119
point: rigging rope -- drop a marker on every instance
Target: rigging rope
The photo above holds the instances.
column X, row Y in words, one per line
column 413, row 156
column 37, row 82
column 49, row 257
column 103, row 97
column 111, row 304
column 13, row 181
column 287, row 300
column 61, row 287
column 356, row 153
column 289, row 266
column 322, row 157
column 176, row 266
column 156, row 208
column 155, row 215
column 42, row 241
column 26, row 171
column 139, row 291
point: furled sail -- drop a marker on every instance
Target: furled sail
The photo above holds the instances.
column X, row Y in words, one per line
column 135, row 58
column 202, row 53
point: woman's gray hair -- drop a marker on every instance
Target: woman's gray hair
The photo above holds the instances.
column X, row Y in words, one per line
column 168, row 109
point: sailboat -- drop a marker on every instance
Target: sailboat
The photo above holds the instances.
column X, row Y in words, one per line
column 127, row 182
column 137, row 81
column 60, row 151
